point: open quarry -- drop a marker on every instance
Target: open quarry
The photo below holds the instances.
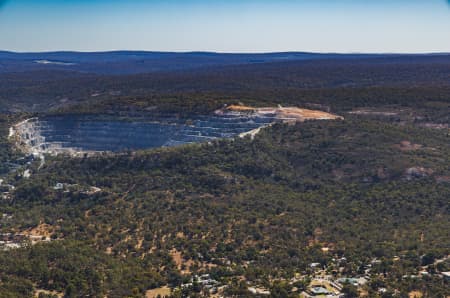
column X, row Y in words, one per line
column 81, row 135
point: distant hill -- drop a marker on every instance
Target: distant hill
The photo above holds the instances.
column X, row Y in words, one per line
column 342, row 82
column 133, row 62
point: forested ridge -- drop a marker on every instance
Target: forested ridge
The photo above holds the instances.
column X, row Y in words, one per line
column 371, row 191
column 274, row 202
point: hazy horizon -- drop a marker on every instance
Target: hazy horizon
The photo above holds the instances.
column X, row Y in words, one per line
column 222, row 53
column 247, row 26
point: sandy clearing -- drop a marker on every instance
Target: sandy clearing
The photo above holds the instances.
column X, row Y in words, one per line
column 162, row 292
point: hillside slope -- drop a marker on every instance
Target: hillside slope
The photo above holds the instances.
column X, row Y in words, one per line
column 260, row 209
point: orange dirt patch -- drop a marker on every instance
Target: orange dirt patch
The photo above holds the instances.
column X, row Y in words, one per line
column 42, row 230
column 177, row 257
column 162, row 292
column 240, row 108
column 304, row 114
column 181, row 235
column 139, row 243
column 39, row 291
column 408, row 146
column 415, row 294
column 363, row 293
column 288, row 113
column 184, row 265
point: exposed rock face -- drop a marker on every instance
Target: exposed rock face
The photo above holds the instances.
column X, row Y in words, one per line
column 417, row 172
column 80, row 135
column 28, row 135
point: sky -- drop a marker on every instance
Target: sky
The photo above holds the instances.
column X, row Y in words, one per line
column 344, row 26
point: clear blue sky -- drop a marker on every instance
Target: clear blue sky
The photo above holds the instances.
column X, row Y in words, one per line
column 226, row 25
